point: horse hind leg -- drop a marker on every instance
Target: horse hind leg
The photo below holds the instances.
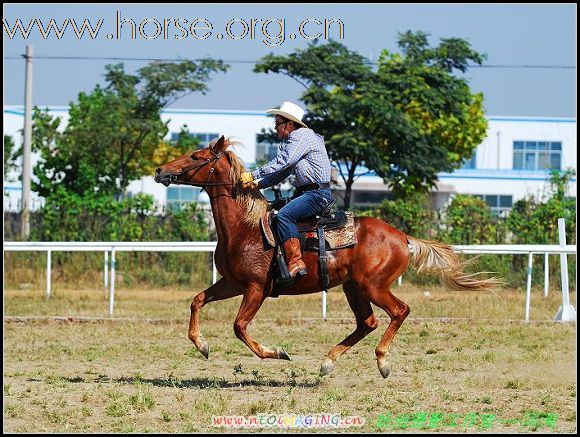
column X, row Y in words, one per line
column 397, row 311
column 365, row 324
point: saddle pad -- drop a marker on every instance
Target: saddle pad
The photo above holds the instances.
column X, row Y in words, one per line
column 336, row 238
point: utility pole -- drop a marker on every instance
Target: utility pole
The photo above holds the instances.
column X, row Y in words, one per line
column 25, row 218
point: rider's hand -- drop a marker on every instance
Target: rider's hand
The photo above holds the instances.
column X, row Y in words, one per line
column 247, row 179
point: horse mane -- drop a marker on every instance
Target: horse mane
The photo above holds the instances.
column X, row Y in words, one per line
column 251, row 200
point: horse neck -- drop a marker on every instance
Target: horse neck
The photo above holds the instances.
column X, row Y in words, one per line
column 228, row 216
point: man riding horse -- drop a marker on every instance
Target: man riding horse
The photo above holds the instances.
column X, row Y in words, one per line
column 303, row 154
column 367, row 270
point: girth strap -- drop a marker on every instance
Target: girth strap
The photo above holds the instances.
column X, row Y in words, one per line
column 323, row 259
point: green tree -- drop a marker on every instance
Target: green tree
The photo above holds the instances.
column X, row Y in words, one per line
column 426, row 118
column 407, row 121
column 468, row 220
column 169, row 150
column 534, row 221
column 113, row 132
column 331, row 74
column 11, row 154
column 412, row 215
column 68, row 216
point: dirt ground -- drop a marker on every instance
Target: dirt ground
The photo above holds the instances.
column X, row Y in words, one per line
column 478, row 369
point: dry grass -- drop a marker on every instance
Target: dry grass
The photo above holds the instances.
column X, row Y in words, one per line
column 135, row 376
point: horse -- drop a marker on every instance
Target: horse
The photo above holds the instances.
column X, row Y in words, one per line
column 366, row 270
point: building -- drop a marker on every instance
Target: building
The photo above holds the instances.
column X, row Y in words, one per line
column 513, row 162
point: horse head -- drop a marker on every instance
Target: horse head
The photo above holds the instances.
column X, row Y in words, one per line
column 202, row 168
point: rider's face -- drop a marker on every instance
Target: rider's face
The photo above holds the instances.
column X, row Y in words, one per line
column 281, row 127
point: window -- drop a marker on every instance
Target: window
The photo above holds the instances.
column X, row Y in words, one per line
column 497, row 203
column 537, row 155
column 179, row 196
column 469, row 163
column 367, row 198
column 265, row 152
column 269, row 193
column 203, row 137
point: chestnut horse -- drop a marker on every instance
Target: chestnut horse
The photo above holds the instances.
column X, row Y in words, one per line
column 366, row 270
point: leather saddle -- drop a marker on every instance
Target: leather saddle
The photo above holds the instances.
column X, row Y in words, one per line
column 327, row 231
column 338, row 227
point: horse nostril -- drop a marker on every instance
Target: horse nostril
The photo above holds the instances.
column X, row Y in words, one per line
column 157, row 171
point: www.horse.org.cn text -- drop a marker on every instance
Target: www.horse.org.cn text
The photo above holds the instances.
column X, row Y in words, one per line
column 270, row 31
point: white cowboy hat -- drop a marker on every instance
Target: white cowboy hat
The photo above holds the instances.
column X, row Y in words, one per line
column 290, row 111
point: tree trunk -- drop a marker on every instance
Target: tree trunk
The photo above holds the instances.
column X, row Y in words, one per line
column 347, row 193
column 348, row 181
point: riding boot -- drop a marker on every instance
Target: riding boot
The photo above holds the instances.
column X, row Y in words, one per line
column 296, row 266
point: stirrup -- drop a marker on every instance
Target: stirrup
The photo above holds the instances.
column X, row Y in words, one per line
column 301, row 272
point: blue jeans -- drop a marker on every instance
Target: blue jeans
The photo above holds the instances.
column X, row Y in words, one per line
column 308, row 204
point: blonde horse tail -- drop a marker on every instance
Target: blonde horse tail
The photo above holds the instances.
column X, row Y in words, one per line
column 435, row 257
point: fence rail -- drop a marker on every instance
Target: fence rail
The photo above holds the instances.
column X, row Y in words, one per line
column 203, row 246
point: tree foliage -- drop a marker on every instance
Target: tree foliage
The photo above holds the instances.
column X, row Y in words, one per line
column 113, row 133
column 167, row 151
column 468, row 220
column 407, row 121
column 68, row 216
column 11, row 154
column 536, row 222
column 412, row 215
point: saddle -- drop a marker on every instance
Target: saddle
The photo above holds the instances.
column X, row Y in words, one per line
column 319, row 233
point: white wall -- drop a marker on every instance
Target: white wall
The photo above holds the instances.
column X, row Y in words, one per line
column 493, row 175
column 510, row 129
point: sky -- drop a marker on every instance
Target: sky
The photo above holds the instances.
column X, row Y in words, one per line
column 530, row 68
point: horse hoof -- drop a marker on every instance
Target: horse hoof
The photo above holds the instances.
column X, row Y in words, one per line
column 204, row 349
column 281, row 354
column 326, row 367
column 384, row 367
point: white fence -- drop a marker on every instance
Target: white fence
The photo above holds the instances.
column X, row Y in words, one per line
column 114, row 247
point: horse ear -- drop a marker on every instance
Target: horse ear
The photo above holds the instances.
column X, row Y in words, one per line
column 220, row 145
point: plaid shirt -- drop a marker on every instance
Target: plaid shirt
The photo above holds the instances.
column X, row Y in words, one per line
column 302, row 154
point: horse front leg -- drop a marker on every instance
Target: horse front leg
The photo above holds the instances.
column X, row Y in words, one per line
column 218, row 291
column 251, row 303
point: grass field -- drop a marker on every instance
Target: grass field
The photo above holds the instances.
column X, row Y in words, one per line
column 461, row 362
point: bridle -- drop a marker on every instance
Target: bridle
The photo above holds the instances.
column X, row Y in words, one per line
column 198, row 166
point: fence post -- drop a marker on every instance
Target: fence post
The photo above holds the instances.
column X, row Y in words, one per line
column 546, row 274
column 112, row 284
column 106, row 269
column 214, row 271
column 324, row 305
column 566, row 313
column 48, row 272
column 529, row 288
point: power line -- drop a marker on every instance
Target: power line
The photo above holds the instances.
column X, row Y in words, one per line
column 248, row 61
